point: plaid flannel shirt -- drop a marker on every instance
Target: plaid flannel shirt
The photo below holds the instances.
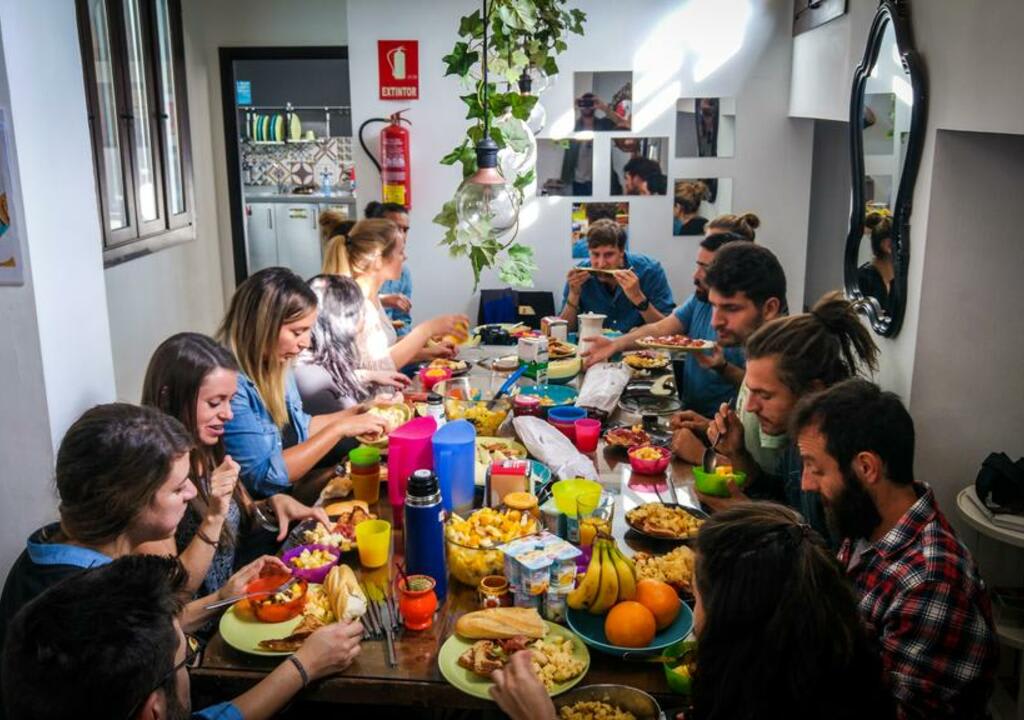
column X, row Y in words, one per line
column 921, row 595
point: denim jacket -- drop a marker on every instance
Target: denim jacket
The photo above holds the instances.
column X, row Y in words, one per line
column 254, row 441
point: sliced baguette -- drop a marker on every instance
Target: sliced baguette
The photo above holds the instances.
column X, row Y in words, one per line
column 500, row 623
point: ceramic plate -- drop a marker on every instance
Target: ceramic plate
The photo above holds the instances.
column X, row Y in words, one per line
column 477, row 686
column 245, row 634
column 591, row 629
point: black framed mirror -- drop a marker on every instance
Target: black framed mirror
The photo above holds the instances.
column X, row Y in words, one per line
column 887, row 123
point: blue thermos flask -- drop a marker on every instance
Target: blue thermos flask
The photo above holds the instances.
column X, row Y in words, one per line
column 424, row 530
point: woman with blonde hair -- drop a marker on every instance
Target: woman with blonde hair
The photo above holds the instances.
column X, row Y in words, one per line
column 372, row 252
column 270, row 435
column 743, row 225
column 687, row 219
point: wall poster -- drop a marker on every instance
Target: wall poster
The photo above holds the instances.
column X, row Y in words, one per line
column 12, row 264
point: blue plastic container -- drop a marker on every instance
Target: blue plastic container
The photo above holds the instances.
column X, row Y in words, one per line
column 455, row 464
column 567, row 414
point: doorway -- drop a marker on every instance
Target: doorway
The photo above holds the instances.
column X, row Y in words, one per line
column 288, row 135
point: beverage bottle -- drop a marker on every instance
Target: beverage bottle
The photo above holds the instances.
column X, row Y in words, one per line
column 424, row 530
column 435, row 408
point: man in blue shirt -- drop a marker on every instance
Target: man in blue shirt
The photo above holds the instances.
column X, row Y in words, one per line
column 629, row 289
column 395, row 295
column 752, row 291
column 106, row 643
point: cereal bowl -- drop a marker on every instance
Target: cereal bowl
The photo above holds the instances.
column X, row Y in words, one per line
column 649, row 459
column 305, row 566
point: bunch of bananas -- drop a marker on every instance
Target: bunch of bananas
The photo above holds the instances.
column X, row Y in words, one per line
column 610, row 578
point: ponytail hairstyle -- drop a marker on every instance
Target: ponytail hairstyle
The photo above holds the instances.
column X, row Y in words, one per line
column 828, row 344
column 743, row 225
column 355, row 254
column 775, row 599
column 333, row 343
column 333, row 223
column 260, row 307
column 176, row 372
column 110, row 465
column 881, row 230
column 689, row 195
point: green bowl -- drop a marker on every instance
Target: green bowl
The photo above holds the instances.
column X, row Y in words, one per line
column 681, row 683
column 711, row 484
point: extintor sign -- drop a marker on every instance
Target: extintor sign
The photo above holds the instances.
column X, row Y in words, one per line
column 398, row 63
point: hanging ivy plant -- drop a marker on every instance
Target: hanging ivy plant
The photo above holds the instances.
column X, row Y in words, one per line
column 525, row 36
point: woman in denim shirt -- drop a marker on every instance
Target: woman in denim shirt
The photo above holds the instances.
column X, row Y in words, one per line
column 192, row 378
column 270, row 436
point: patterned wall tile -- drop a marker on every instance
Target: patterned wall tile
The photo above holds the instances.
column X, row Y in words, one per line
column 296, row 163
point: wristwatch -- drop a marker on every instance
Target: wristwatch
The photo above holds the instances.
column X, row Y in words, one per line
column 642, row 306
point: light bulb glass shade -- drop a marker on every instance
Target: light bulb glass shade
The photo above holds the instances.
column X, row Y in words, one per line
column 482, row 202
column 540, row 80
column 538, row 118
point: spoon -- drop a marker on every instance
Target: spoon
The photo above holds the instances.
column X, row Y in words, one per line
column 710, row 459
column 506, row 386
column 235, row 598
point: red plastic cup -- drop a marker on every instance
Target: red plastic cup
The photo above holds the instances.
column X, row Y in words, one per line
column 566, row 428
column 588, row 431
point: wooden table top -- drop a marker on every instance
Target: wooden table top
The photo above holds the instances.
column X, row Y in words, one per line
column 417, row 681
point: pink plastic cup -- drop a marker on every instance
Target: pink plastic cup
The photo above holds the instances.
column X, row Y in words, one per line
column 588, row 431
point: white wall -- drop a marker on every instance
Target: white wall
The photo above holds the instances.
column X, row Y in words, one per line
column 54, row 344
column 967, row 380
column 186, row 287
column 830, row 210
column 716, row 48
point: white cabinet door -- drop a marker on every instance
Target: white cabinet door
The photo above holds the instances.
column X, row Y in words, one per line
column 298, row 238
column 261, row 236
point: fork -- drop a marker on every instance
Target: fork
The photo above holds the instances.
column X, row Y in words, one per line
column 235, row 598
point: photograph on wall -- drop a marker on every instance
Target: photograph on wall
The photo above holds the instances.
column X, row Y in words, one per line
column 565, row 167
column 603, row 101
column 585, row 213
column 705, row 127
column 698, row 200
column 12, row 269
column 638, row 166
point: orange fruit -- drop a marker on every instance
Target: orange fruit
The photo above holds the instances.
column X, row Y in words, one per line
column 629, row 624
column 660, row 598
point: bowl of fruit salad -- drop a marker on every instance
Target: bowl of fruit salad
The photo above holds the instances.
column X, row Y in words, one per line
column 311, row 562
column 680, row 664
column 277, row 604
column 716, row 483
column 649, row 459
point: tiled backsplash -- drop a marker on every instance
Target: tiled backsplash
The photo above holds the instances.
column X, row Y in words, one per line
column 296, row 163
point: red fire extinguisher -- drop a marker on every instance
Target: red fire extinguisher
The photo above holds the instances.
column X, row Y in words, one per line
column 394, row 167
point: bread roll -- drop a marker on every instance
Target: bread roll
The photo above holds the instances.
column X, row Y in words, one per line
column 499, row 623
column 344, row 594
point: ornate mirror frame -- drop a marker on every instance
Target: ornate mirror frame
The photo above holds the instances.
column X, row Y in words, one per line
column 892, row 12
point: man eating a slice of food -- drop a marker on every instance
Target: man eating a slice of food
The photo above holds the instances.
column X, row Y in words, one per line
column 919, row 590
column 628, row 288
column 753, row 291
column 106, row 643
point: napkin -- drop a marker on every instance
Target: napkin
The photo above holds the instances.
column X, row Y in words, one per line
column 554, row 449
column 602, row 386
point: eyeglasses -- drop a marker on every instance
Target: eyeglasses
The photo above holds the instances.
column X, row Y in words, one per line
column 192, row 648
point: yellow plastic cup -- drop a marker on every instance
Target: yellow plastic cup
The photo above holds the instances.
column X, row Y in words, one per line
column 373, row 538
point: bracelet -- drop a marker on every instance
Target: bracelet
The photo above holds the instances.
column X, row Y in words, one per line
column 302, row 671
column 721, row 368
column 206, row 538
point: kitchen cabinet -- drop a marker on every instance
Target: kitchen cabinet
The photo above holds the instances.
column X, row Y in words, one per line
column 261, row 236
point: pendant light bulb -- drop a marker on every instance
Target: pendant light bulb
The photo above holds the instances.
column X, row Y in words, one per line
column 485, row 200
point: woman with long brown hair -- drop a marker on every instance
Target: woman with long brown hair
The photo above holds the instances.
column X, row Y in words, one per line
column 193, row 378
column 272, row 438
column 371, row 253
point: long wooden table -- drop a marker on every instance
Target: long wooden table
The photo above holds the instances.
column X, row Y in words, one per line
column 225, row 672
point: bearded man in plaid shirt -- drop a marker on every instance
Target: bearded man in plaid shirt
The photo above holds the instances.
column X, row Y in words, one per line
column 919, row 591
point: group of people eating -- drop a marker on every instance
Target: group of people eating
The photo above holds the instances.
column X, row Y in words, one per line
column 829, row 585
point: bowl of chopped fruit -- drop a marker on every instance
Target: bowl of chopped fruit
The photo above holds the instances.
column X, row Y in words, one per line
column 282, row 600
column 311, row 562
column 716, row 483
column 649, row 459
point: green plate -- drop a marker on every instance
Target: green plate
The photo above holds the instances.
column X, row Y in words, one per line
column 477, row 686
column 245, row 634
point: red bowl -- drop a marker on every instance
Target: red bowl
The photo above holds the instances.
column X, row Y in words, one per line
column 430, row 377
column 644, row 466
column 263, row 606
